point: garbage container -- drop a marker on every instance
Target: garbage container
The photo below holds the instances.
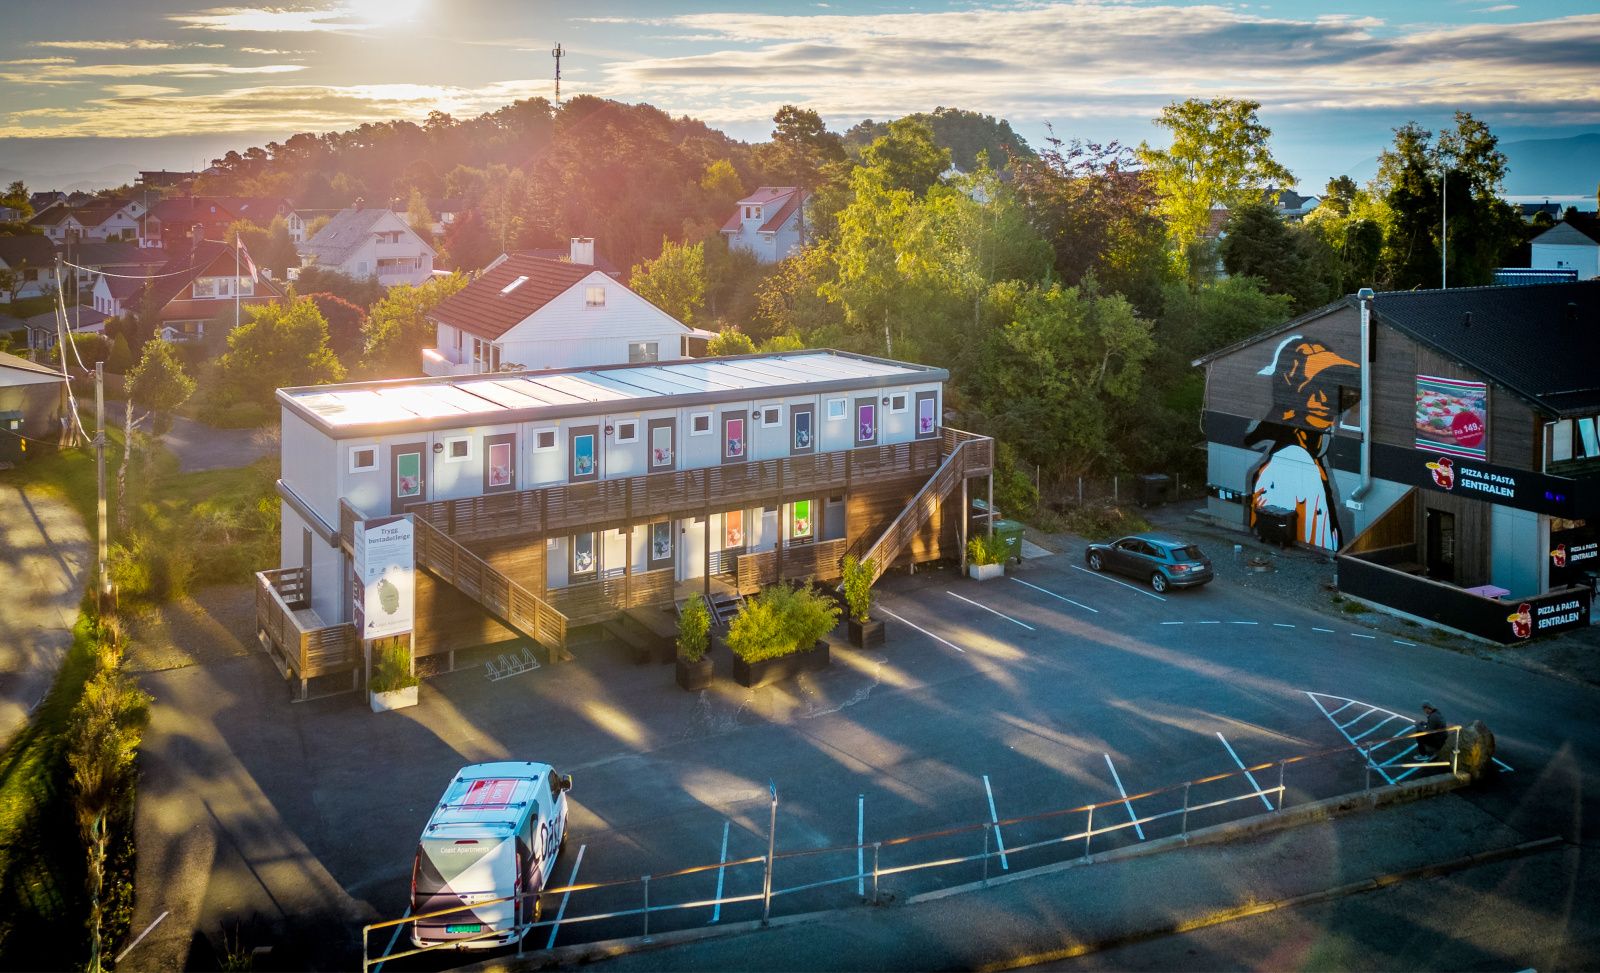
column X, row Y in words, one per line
column 1010, row 531
column 1275, row 525
column 1153, row 489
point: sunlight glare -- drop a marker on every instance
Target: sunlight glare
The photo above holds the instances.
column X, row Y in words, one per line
column 382, row 12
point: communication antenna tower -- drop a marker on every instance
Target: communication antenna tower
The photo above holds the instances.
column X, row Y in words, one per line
column 557, row 53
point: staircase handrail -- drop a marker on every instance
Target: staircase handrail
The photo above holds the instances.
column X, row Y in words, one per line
column 896, row 535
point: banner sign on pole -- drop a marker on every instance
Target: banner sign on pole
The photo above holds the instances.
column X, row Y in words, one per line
column 385, row 573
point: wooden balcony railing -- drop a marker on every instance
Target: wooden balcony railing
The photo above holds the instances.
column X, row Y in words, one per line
column 607, row 504
column 819, row 561
column 301, row 645
column 593, row 601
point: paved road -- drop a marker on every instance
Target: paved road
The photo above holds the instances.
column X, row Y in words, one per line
column 201, row 447
column 44, row 559
column 1042, row 682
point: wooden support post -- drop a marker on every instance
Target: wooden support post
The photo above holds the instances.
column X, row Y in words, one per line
column 627, row 564
column 961, row 525
column 706, row 580
column 991, row 503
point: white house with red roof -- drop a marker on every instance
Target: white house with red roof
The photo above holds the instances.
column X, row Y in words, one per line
column 768, row 223
column 532, row 312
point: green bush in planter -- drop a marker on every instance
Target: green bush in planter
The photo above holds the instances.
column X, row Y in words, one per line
column 857, row 587
column 694, row 630
column 781, row 621
column 984, row 549
column 391, row 669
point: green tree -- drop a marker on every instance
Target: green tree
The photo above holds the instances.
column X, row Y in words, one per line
column 268, row 246
column 345, row 323
column 121, row 357
column 1338, row 195
column 730, row 341
column 321, row 280
column 1288, row 259
column 1057, row 368
column 278, row 346
column 802, row 153
column 16, row 197
column 398, row 328
column 467, row 244
column 158, row 385
column 1218, row 157
column 782, row 342
column 721, row 185
column 419, row 217
column 906, row 157
column 675, row 281
column 967, row 134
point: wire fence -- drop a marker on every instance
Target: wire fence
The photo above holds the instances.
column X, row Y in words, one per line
column 1073, row 829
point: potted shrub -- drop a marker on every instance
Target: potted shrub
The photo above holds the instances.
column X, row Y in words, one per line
column 694, row 635
column 778, row 634
column 394, row 679
column 856, row 584
column 986, row 557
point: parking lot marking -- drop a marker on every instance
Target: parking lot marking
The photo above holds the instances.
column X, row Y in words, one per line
column 1360, row 636
column 1208, row 623
column 1327, row 630
column 924, row 631
column 999, row 842
column 1244, row 623
column 1248, row 776
column 562, row 911
column 1130, row 587
column 990, row 610
column 1345, row 726
column 861, row 845
column 1125, row 802
column 1398, row 642
column 1370, row 730
column 1317, row 698
column 1172, row 623
column 1054, row 595
column 1281, row 625
column 716, row 910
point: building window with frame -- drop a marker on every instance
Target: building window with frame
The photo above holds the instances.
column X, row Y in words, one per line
column 836, row 410
column 771, row 415
column 927, row 415
column 627, row 432
column 457, row 449
column 700, row 424
column 363, row 459
column 544, row 440
column 583, row 458
column 594, row 296
column 644, row 351
column 661, row 544
column 897, row 402
column 1573, row 439
column 585, row 560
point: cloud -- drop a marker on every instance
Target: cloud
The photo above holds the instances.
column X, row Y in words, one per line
column 128, row 45
column 131, row 111
column 1037, row 60
column 40, row 60
column 268, row 51
column 58, row 71
column 345, row 15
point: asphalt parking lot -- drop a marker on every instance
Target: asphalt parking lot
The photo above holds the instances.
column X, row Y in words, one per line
column 1048, row 689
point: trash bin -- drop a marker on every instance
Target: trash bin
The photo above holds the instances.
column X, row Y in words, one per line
column 1153, row 489
column 1010, row 531
column 1275, row 525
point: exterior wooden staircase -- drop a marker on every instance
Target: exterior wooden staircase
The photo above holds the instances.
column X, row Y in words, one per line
column 965, row 455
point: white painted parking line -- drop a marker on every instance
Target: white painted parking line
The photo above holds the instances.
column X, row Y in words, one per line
column 861, row 846
column 1373, row 729
column 1096, row 574
column 165, row 913
column 1345, row 726
column 999, row 842
column 1125, row 802
column 1244, row 623
column 1054, row 595
column 1281, row 625
column 1339, row 710
column 924, row 631
column 1248, row 776
column 1398, row 642
column 1208, row 623
column 1327, row 630
column 716, row 910
column 1360, row 636
column 991, row 611
column 1172, row 623
column 1317, row 698
column 571, row 880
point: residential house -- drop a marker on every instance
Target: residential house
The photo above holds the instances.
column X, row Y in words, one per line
column 1573, row 244
column 93, row 260
column 44, row 198
column 195, row 291
column 365, row 241
column 43, row 330
column 1442, row 443
column 10, row 214
column 600, row 262
column 574, row 495
column 58, row 223
column 769, row 223
column 162, row 179
column 1531, row 211
column 1293, row 206
column 533, row 312
column 98, row 219
column 33, row 405
column 116, row 296
column 445, row 212
column 172, row 221
column 33, row 258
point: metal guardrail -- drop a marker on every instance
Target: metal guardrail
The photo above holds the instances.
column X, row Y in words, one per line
column 988, row 829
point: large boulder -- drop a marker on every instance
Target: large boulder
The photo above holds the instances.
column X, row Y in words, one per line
column 1477, row 751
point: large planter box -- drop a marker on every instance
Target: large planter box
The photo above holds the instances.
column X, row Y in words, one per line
column 867, row 634
column 695, row 676
column 394, row 699
column 985, row 572
column 753, row 675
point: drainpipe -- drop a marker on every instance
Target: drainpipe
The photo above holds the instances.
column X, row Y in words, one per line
column 1365, row 296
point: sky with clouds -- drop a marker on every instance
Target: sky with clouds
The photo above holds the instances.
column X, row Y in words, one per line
column 1333, row 78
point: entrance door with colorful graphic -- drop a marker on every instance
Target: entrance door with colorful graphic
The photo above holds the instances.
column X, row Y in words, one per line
column 408, row 483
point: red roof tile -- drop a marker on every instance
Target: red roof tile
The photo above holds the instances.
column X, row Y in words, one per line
column 482, row 309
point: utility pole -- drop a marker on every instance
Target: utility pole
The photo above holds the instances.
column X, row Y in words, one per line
column 100, row 478
column 557, row 53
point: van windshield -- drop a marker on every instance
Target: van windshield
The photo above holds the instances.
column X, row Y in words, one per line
column 464, row 865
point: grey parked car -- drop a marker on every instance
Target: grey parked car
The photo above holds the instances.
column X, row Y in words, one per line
column 1165, row 562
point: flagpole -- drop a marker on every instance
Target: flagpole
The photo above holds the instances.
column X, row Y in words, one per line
column 236, row 280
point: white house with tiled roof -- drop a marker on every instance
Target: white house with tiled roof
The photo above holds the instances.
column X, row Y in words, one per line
column 767, row 223
column 530, row 312
column 367, row 242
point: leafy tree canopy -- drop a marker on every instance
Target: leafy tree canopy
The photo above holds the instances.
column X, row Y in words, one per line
column 397, row 327
column 966, row 134
column 278, row 346
column 675, row 281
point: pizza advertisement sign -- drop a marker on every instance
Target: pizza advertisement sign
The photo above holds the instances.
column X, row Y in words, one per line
column 1452, row 416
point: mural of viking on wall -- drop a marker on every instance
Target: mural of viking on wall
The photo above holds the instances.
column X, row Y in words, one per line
column 1295, row 435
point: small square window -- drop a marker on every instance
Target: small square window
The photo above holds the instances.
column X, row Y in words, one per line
column 897, row 403
column 836, row 410
column 627, row 432
column 644, row 351
column 700, row 424
column 363, row 459
column 544, row 439
column 594, row 296
column 771, row 416
column 457, row 450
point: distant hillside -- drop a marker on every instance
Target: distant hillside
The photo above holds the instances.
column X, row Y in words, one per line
column 964, row 133
column 1535, row 167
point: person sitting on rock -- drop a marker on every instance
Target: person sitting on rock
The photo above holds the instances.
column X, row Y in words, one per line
column 1433, row 741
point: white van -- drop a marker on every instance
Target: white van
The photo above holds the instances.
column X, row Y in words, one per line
column 496, row 833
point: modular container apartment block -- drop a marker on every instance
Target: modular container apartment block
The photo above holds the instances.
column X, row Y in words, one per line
column 595, row 490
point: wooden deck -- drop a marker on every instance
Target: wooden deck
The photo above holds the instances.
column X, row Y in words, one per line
column 298, row 641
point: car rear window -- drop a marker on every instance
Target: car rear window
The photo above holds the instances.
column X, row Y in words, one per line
column 1189, row 553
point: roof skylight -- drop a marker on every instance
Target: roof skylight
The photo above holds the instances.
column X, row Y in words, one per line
column 513, row 285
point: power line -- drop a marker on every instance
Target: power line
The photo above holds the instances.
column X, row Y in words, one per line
column 104, row 273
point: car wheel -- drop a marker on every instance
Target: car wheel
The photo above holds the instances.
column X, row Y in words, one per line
column 1158, row 581
column 1095, row 563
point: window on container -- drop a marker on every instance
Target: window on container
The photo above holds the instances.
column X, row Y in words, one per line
column 700, row 424
column 836, row 410
column 458, row 449
column 641, row 351
column 363, row 459
column 627, row 432
column 771, row 416
column 544, row 439
column 594, row 296
column 897, row 403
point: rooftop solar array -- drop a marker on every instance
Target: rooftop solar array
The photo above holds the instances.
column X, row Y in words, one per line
column 482, row 397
